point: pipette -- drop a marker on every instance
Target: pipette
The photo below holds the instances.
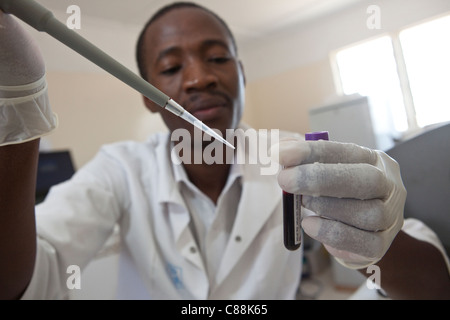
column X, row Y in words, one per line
column 43, row 20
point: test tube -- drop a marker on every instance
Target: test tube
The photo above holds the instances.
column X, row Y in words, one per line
column 292, row 204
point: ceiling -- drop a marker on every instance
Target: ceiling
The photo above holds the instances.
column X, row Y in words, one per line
column 248, row 19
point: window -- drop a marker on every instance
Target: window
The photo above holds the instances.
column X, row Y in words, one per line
column 426, row 50
column 370, row 70
column 406, row 75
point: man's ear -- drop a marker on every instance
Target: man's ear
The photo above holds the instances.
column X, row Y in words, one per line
column 150, row 105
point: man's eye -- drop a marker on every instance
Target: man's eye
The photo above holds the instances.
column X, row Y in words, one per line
column 171, row 70
column 219, row 60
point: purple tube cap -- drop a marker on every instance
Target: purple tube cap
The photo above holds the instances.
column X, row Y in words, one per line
column 318, row 135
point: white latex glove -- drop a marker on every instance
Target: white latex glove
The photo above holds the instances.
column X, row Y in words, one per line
column 354, row 197
column 25, row 112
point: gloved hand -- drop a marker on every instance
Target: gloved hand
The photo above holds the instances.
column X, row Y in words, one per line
column 353, row 197
column 25, row 112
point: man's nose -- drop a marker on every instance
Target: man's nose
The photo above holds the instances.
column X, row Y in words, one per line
column 198, row 76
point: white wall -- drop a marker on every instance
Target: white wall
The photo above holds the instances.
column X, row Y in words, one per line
column 93, row 107
column 311, row 42
column 115, row 38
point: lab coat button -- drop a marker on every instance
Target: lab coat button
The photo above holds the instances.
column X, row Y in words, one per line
column 192, row 250
column 238, row 238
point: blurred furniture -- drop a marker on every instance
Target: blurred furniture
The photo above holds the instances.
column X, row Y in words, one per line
column 53, row 167
column 425, row 167
column 353, row 119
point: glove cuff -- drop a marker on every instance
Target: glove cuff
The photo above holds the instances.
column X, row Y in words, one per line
column 357, row 266
column 28, row 117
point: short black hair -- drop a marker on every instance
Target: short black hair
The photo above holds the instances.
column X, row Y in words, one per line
column 176, row 5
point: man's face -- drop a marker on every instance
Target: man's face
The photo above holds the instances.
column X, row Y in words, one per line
column 190, row 57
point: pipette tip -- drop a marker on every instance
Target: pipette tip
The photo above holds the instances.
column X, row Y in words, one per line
column 225, row 142
column 175, row 108
column 228, row 144
column 212, row 133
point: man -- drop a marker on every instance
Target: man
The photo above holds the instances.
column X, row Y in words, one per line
column 203, row 231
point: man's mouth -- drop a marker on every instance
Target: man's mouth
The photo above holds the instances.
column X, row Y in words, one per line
column 205, row 109
column 207, row 113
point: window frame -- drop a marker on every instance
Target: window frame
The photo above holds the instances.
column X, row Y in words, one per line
column 401, row 67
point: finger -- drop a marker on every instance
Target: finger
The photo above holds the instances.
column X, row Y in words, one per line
column 293, row 152
column 344, row 237
column 357, row 181
column 289, row 149
column 363, row 214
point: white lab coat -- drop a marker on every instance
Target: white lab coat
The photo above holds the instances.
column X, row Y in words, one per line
column 132, row 184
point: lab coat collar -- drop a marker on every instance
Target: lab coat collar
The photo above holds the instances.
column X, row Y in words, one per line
column 169, row 196
column 260, row 195
column 166, row 182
